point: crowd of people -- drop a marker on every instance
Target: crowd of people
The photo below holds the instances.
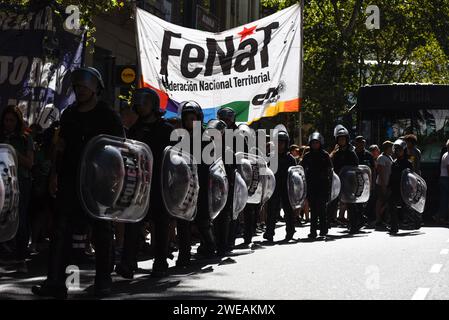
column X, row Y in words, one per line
column 51, row 214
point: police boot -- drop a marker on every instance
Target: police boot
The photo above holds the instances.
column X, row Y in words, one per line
column 46, row 290
column 102, row 287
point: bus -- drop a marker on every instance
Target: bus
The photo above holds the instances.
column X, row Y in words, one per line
column 389, row 111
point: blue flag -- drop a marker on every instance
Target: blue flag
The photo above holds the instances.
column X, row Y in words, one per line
column 37, row 52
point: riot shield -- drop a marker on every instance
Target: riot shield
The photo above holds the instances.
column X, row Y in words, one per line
column 245, row 170
column 218, row 188
column 269, row 184
column 355, row 184
column 115, row 179
column 240, row 197
column 336, row 186
column 296, row 186
column 9, row 193
column 179, row 183
column 413, row 190
column 257, row 163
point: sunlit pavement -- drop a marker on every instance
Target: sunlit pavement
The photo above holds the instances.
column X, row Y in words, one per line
column 369, row 265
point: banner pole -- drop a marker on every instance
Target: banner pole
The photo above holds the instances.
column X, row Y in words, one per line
column 301, row 70
column 139, row 83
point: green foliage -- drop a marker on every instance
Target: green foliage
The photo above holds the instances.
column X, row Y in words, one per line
column 341, row 54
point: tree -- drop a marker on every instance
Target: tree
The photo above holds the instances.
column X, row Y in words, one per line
column 341, row 54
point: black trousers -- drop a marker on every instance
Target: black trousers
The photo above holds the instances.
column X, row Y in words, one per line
column 332, row 211
column 274, row 206
column 160, row 239
column 249, row 217
column 68, row 214
column 222, row 230
column 204, row 225
column 184, row 235
column 318, row 211
column 354, row 216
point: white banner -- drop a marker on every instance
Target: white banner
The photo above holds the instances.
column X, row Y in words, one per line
column 253, row 69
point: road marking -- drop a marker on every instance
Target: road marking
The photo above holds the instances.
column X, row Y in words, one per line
column 421, row 294
column 444, row 251
column 436, row 268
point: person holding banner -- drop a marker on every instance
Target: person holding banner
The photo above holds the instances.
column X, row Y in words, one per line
column 155, row 131
column 80, row 122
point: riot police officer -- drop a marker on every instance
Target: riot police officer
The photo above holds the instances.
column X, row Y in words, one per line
column 318, row 170
column 344, row 155
column 280, row 196
column 190, row 112
column 222, row 222
column 155, row 131
column 83, row 120
column 400, row 164
column 225, row 228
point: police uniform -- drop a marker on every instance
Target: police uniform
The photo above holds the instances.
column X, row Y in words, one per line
column 318, row 171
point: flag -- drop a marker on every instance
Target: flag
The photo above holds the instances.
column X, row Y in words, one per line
column 254, row 69
column 37, row 53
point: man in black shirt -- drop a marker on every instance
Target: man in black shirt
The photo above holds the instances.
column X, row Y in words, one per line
column 80, row 122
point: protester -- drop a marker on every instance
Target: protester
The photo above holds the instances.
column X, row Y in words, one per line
column 384, row 162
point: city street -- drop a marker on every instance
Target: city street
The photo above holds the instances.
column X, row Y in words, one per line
column 369, row 265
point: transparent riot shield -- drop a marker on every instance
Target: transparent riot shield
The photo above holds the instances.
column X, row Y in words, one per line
column 336, row 186
column 413, row 190
column 179, row 183
column 218, row 188
column 269, row 184
column 115, row 179
column 9, row 193
column 258, row 164
column 245, row 170
column 355, row 184
column 240, row 197
column 296, row 186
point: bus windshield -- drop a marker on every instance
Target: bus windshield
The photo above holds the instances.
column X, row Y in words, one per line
column 431, row 126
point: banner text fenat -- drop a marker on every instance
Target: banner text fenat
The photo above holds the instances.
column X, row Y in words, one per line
column 253, row 69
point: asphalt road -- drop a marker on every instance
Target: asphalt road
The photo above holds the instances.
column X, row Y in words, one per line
column 370, row 265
